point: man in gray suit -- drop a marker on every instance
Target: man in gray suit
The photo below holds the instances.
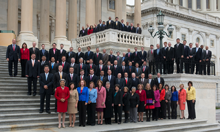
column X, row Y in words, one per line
column 137, row 70
column 120, row 81
column 142, row 80
column 150, row 59
column 105, row 57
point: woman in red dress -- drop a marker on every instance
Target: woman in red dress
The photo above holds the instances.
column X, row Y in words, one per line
column 182, row 100
column 25, row 56
column 90, row 31
column 62, row 95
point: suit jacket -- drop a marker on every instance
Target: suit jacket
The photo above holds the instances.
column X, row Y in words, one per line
column 169, row 54
column 156, row 81
column 144, row 82
column 129, row 83
column 121, row 59
column 84, row 67
column 191, row 53
column 62, row 54
column 103, row 27
column 48, row 82
column 112, row 82
column 122, row 71
column 151, row 83
column 123, row 27
column 178, row 52
column 109, row 25
column 75, row 79
column 105, row 59
column 78, row 56
column 99, row 27
column 76, row 68
column 118, row 26
column 111, row 58
column 88, row 56
column 139, row 30
column 132, row 30
column 186, row 51
column 164, row 52
column 93, row 67
column 138, row 72
column 129, row 57
column 144, row 56
column 56, row 55
column 115, row 71
column 197, row 55
column 82, row 33
column 13, row 55
column 109, row 68
column 97, row 59
column 121, row 83
column 56, row 81
column 42, row 66
column 53, row 69
column 136, row 57
column 168, row 96
column 32, row 71
column 209, row 55
column 70, row 55
column 158, row 57
column 150, row 56
column 118, row 98
column 36, row 52
column 134, row 83
column 127, row 28
column 66, row 67
column 145, row 71
column 95, row 30
column 45, row 54
column 104, row 68
column 94, row 79
column 131, row 69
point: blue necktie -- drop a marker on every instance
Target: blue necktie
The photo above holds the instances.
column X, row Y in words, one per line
column 52, row 65
column 46, row 76
column 102, row 78
column 88, row 53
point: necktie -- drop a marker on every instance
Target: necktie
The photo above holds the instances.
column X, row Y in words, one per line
column 151, row 51
column 80, row 66
column 34, row 50
column 54, row 51
column 101, row 78
column 90, row 66
column 109, row 78
column 88, row 53
column 81, row 77
column 116, row 23
column 63, row 64
column 130, row 69
column 90, row 77
column 135, row 53
column 126, row 81
column 169, row 49
column 128, row 54
column 108, row 67
column 97, row 55
column 142, row 52
column 123, row 68
column 13, row 48
column 46, row 76
column 109, row 22
column 60, row 51
column 52, row 65
column 60, row 75
column 71, row 77
column 100, row 68
column 118, row 58
column 143, row 69
column 32, row 63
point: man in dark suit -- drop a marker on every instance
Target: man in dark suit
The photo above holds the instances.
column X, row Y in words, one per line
column 46, row 89
column 121, row 59
column 54, row 52
column 82, row 32
column 145, row 69
column 56, row 82
column 120, row 81
column 207, row 59
column 115, row 68
column 198, row 58
column 101, row 77
column 135, row 57
column 82, row 76
column 65, row 65
column 186, row 56
column 137, row 71
column 150, row 59
column 43, row 52
column 143, row 80
column 75, row 66
column 132, row 29
column 99, row 26
column 100, row 67
column 110, row 23
column 95, row 28
column 117, row 24
column 110, row 67
column 62, row 52
column 158, row 58
column 87, row 29
column 123, row 27
column 170, row 58
column 150, row 80
column 13, row 55
column 105, row 57
column 163, row 50
column 82, row 66
column 111, row 58
column 191, row 58
column 32, row 73
column 158, row 80
column 79, row 54
column 34, row 50
column 138, row 29
column 179, row 55
column 142, row 56
column 129, row 55
column 128, row 81
column 111, row 79
column 123, row 69
column 97, row 57
column 70, row 54
column 72, row 77
column 89, row 55
column 43, row 63
column 92, row 78
column 103, row 26
column 53, row 66
column 131, row 69
column 127, row 27
column 91, row 66
column 134, row 80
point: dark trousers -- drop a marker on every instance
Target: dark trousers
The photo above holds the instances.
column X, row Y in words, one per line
column 191, row 109
column 186, row 61
column 179, row 65
column 158, row 66
column 191, row 65
column 118, row 112
column 155, row 113
column 30, row 80
column 167, row 108
column 42, row 97
column 108, row 121
column 148, row 114
column 206, row 64
column 170, row 66
column 164, row 66
column 23, row 67
column 91, row 113
column 126, row 115
column 15, row 62
column 151, row 65
column 173, row 108
column 55, row 105
column 162, row 110
column 82, row 112
column 198, row 67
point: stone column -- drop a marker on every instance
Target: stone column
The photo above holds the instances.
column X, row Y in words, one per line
column 98, row 10
column 90, row 12
column 203, row 5
column 44, row 23
column 194, row 7
column 213, row 5
column 60, row 33
column 175, row 1
column 218, row 4
column 185, row 3
column 72, row 21
column 12, row 22
column 118, row 9
column 26, row 33
column 137, row 12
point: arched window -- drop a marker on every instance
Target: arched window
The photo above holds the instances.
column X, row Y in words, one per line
column 198, row 40
column 198, row 4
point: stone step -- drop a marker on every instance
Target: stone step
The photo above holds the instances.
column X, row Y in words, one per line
column 19, row 97
column 17, row 88
column 15, row 84
column 21, row 110
column 22, row 92
column 13, row 78
column 27, row 115
column 217, row 129
column 26, row 105
column 22, row 101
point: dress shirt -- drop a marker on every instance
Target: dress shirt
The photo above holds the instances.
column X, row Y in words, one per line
column 72, row 64
column 109, row 77
column 158, row 79
column 61, row 50
column 197, row 49
column 46, row 75
column 150, row 81
column 100, row 66
column 71, row 75
column 207, row 51
column 158, row 50
column 101, row 78
column 79, row 53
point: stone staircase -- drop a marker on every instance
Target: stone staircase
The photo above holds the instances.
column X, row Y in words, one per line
column 19, row 111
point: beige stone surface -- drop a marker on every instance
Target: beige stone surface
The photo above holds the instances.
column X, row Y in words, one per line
column 12, row 20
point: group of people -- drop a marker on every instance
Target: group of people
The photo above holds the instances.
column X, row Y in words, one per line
column 110, row 24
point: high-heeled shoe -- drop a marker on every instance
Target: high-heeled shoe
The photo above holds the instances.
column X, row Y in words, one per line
column 63, row 126
column 59, row 126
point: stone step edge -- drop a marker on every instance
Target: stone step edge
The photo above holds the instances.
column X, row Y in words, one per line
column 206, row 130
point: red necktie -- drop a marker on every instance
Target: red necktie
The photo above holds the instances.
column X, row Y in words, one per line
column 117, row 58
column 128, row 54
column 97, row 55
column 81, row 77
column 13, row 48
column 71, row 77
column 143, row 69
column 126, row 81
column 100, row 68
column 90, row 66
column 123, row 69
column 151, row 51
column 80, row 66
column 108, row 68
column 54, row 51
column 63, row 64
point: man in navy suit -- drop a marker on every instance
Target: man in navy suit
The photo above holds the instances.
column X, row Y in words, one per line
column 75, row 66
column 207, row 59
column 100, row 67
column 43, row 63
column 163, row 50
column 13, row 55
column 115, row 68
column 135, row 81
column 117, row 24
column 120, row 81
column 135, row 57
column 128, row 81
column 54, row 52
column 186, row 56
column 43, row 52
column 111, row 79
column 158, row 58
column 179, row 55
column 72, row 77
column 103, row 26
column 123, row 69
column 65, row 65
column 82, row 66
column 129, row 55
column 34, row 50
column 123, row 27
column 198, row 58
column 89, row 55
column 99, row 26
column 62, row 52
column 92, row 78
column 132, row 29
column 109, row 67
column 145, row 69
column 111, row 58
column 70, row 54
column 46, row 88
column 91, row 66
column 97, row 57
column 32, row 73
column 142, row 56
column 131, row 69
column 79, row 54
column 110, row 23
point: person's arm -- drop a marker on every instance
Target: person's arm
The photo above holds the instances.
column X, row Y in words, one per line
column 19, row 53
column 41, row 81
column 104, row 96
column 170, row 95
column 56, row 95
column 68, row 94
column 87, row 96
column 184, row 96
column 137, row 99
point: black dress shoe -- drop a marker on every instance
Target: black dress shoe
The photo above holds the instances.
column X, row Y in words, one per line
column 28, row 93
column 119, row 122
column 40, row 111
column 48, row 112
column 84, row 125
column 34, row 94
column 80, row 125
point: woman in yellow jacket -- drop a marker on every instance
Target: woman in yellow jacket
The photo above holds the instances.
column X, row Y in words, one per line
column 191, row 100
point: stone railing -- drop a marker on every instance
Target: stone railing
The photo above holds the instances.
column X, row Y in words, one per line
column 112, row 36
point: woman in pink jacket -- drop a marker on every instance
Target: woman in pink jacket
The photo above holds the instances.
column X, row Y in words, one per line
column 100, row 101
column 157, row 102
column 182, row 100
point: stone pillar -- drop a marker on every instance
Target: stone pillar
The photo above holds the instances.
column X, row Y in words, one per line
column 213, row 5
column 44, row 23
column 98, row 10
column 90, row 12
column 60, row 33
column 190, row 35
column 118, row 9
column 185, row 3
column 203, row 5
column 72, row 21
column 218, row 4
column 176, row 2
column 194, row 7
column 137, row 12
column 12, row 22
column 124, row 13
column 26, row 33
